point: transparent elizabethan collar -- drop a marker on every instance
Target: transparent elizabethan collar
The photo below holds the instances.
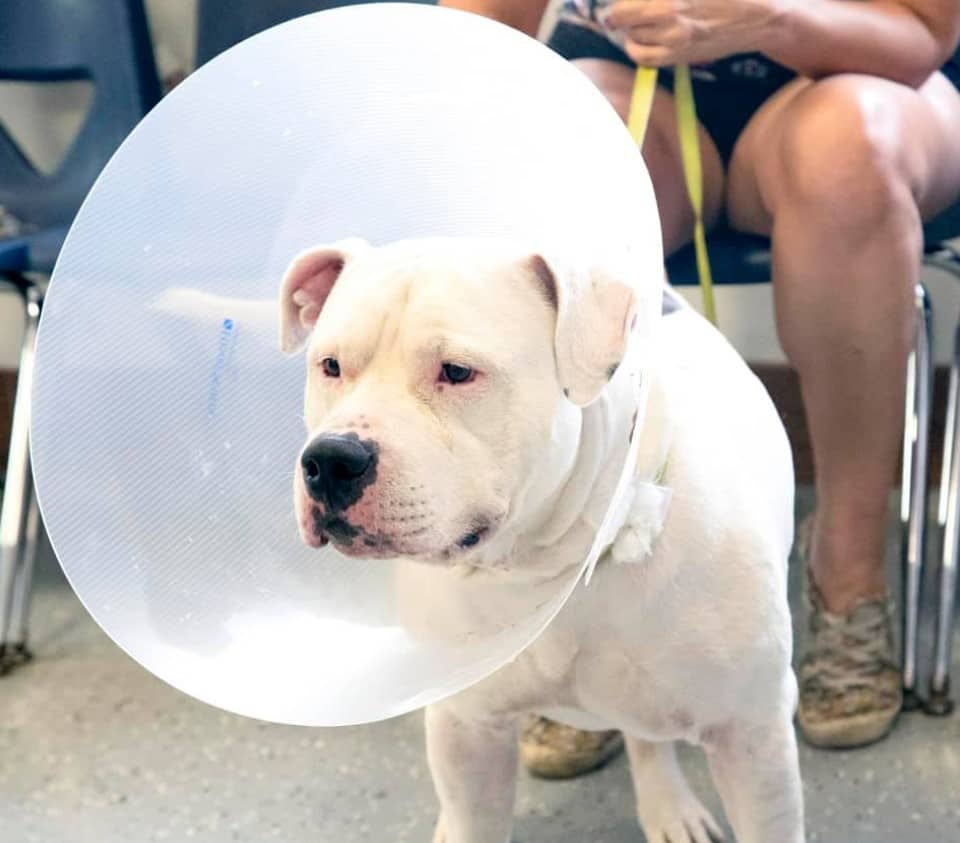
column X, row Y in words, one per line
column 166, row 420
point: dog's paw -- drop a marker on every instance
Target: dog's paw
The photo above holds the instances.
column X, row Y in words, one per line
column 680, row 821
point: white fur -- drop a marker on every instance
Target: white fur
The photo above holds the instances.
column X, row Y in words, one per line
column 690, row 642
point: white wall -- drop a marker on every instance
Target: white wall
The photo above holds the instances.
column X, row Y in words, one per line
column 745, row 312
column 173, row 25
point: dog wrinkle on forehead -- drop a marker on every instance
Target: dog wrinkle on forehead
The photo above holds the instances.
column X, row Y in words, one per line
column 430, row 320
column 359, row 327
column 472, row 316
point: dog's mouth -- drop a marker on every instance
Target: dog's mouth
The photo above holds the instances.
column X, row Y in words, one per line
column 349, row 538
column 354, row 540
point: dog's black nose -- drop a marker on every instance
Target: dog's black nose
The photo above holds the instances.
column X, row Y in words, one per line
column 337, row 468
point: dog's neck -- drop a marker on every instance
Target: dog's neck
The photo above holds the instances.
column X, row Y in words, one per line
column 558, row 533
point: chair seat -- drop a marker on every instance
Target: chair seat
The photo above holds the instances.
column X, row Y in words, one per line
column 14, row 255
column 734, row 259
column 737, row 258
column 36, row 251
column 945, row 226
column 44, row 247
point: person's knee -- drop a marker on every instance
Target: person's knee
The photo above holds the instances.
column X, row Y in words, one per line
column 841, row 154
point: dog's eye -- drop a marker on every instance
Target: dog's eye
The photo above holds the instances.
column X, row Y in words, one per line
column 452, row 373
column 330, row 366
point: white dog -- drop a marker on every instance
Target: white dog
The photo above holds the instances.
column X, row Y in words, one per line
column 464, row 407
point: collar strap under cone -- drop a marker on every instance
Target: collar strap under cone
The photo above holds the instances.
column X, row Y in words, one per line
column 619, row 507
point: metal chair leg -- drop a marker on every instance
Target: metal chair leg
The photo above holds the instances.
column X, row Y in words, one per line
column 913, row 502
column 948, row 517
column 19, row 516
column 947, row 258
column 18, row 650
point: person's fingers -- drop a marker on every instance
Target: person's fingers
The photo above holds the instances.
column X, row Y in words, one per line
column 622, row 6
column 641, row 13
column 670, row 34
column 651, row 56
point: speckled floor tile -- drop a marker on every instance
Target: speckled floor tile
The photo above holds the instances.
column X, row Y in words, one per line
column 93, row 748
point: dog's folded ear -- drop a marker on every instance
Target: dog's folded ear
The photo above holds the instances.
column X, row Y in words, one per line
column 596, row 310
column 306, row 285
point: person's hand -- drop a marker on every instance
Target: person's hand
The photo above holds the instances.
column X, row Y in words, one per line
column 656, row 33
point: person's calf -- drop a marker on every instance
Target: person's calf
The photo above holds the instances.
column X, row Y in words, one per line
column 845, row 555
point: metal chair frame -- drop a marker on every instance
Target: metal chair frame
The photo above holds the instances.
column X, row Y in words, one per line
column 939, row 702
column 19, row 515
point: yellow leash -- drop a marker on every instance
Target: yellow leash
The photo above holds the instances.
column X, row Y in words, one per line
column 641, row 103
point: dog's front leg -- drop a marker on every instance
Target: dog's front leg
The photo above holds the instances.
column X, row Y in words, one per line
column 666, row 807
column 755, row 769
column 474, row 768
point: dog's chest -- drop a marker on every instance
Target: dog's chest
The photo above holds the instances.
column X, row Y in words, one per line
column 586, row 671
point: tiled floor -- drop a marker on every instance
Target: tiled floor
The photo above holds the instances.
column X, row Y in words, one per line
column 93, row 748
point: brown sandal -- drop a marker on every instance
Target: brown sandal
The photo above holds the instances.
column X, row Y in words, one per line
column 552, row 750
column 850, row 691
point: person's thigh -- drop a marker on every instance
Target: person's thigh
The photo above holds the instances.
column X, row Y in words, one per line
column 661, row 152
column 834, row 136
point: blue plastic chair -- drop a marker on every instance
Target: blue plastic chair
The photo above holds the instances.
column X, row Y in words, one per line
column 223, row 23
column 107, row 43
column 745, row 259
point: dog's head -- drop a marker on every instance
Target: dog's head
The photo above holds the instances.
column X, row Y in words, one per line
column 442, row 378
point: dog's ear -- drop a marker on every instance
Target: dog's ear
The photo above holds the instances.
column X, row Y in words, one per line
column 596, row 311
column 306, row 285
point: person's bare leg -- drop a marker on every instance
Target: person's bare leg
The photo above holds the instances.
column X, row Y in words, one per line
column 839, row 172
